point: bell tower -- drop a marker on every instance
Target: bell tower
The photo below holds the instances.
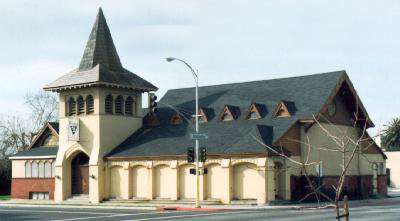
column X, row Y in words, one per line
column 100, row 106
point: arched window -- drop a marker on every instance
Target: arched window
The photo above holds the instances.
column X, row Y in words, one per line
column 109, row 104
column 28, row 169
column 129, row 106
column 47, row 169
column 118, row 105
column 81, row 105
column 71, row 106
column 89, row 104
column 35, row 170
column 41, row 169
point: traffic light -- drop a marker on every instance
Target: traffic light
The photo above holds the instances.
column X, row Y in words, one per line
column 152, row 102
column 203, row 154
column 190, row 155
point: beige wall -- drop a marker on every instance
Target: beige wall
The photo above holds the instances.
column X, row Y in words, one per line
column 99, row 133
column 18, row 168
column 329, row 157
column 245, row 178
column 393, row 163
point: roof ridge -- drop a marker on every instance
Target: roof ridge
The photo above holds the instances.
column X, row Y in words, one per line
column 246, row 82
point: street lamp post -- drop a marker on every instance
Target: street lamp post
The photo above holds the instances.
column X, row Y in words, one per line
column 196, row 79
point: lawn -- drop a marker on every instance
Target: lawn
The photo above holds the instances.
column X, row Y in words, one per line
column 4, row 197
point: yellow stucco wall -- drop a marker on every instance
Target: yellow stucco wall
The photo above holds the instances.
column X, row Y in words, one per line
column 393, row 163
column 99, row 133
column 329, row 157
column 236, row 178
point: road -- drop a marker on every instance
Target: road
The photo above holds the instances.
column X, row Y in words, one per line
column 42, row 213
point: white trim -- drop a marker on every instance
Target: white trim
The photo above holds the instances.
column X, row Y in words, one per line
column 32, row 157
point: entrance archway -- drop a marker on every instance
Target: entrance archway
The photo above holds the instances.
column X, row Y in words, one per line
column 80, row 174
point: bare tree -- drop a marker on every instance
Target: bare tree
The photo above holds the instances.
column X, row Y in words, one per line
column 17, row 130
column 346, row 144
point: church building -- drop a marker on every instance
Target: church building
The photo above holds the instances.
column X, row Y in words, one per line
column 107, row 146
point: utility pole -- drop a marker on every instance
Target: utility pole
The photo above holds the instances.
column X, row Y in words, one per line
column 196, row 79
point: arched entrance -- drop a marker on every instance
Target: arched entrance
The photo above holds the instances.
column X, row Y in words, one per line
column 80, row 174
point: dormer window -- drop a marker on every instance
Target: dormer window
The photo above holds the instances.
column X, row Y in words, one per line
column 109, row 104
column 227, row 114
column 253, row 113
column 227, row 117
column 71, row 106
column 203, row 118
column 282, row 110
column 89, row 104
column 176, row 119
column 118, row 105
column 81, row 105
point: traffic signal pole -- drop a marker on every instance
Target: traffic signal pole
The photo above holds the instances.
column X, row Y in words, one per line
column 197, row 145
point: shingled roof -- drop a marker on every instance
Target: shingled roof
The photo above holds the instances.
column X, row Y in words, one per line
column 306, row 94
column 100, row 64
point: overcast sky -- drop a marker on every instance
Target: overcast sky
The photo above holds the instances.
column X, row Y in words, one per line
column 227, row 41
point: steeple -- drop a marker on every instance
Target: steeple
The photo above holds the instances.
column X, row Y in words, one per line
column 100, row 65
column 100, row 48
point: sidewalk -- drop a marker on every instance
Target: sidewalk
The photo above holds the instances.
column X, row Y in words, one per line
column 152, row 206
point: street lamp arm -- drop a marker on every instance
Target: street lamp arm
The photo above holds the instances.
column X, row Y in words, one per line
column 187, row 65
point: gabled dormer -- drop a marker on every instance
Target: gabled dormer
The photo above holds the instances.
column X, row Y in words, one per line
column 176, row 119
column 203, row 118
column 253, row 113
column 284, row 109
column 229, row 113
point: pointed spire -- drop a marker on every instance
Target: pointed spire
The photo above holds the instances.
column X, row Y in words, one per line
column 100, row 48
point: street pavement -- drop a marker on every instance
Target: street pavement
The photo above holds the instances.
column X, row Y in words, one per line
column 384, row 212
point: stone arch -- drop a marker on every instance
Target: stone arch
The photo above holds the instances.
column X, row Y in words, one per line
column 212, row 181
column 116, row 173
column 246, row 181
column 162, row 185
column 187, row 182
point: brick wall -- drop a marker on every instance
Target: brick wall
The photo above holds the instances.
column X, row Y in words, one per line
column 356, row 187
column 20, row 187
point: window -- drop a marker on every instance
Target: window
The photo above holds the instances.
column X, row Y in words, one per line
column 176, row 119
column 28, row 169
column 109, row 104
column 226, row 117
column 41, row 169
column 39, row 195
column 253, row 115
column 53, row 168
column 71, row 106
column 81, row 105
column 118, row 105
column 282, row 110
column 202, row 119
column 35, row 170
column 89, row 104
column 129, row 106
column 47, row 169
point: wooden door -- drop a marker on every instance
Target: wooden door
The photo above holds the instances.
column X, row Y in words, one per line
column 80, row 175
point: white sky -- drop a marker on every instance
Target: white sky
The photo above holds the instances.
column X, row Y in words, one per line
column 227, row 41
